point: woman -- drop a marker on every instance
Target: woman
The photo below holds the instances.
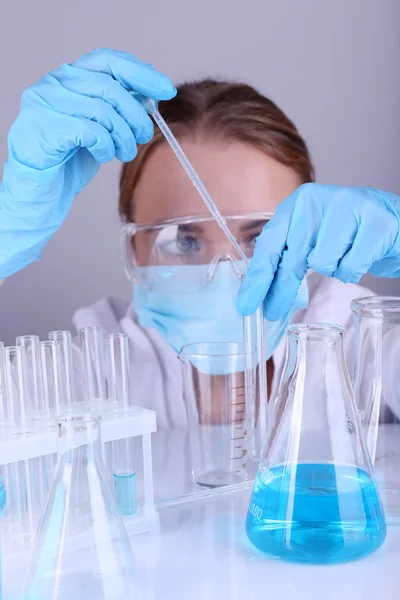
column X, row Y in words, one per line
column 247, row 152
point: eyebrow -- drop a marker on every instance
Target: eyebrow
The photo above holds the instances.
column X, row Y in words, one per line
column 191, row 227
column 199, row 227
column 254, row 225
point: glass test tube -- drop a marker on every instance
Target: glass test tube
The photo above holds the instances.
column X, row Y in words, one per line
column 20, row 475
column 124, row 477
column 13, row 386
column 50, row 366
column 3, row 468
column 37, row 468
column 30, row 366
column 1, row 380
column 256, row 383
column 64, row 340
column 93, row 363
column 118, row 380
column 21, row 499
column 50, row 360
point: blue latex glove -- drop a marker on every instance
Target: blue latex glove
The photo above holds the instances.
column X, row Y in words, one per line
column 337, row 232
column 71, row 121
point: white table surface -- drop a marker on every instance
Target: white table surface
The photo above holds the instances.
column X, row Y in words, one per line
column 202, row 551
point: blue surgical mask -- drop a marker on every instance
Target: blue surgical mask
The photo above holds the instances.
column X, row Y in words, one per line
column 208, row 315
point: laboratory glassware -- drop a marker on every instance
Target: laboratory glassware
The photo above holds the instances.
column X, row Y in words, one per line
column 118, row 376
column 315, row 499
column 24, row 480
column 121, row 452
column 50, row 361
column 81, row 548
column 2, row 410
column 377, row 391
column 19, row 484
column 2, row 489
column 256, row 384
column 13, row 389
column 30, row 366
column 65, row 365
column 92, row 342
column 215, row 395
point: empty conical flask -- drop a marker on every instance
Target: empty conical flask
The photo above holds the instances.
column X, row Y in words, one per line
column 315, row 498
column 81, row 548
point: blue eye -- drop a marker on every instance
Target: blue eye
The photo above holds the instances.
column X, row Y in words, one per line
column 187, row 244
column 183, row 245
column 249, row 243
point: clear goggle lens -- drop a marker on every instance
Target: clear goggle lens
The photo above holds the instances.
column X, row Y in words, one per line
column 183, row 253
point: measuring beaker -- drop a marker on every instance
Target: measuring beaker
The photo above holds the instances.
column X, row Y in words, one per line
column 315, row 499
column 377, row 391
column 214, row 387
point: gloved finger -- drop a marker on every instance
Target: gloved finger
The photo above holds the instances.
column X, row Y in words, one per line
column 70, row 104
column 293, row 265
column 70, row 132
column 104, row 87
column 87, row 134
column 375, row 236
column 281, row 295
column 132, row 73
column 386, row 267
column 335, row 238
column 267, row 254
column 356, row 262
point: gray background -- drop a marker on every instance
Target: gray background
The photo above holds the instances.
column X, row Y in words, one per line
column 333, row 66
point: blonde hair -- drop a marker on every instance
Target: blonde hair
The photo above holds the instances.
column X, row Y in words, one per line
column 227, row 111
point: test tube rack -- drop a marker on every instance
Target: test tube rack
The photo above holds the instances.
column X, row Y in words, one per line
column 36, row 387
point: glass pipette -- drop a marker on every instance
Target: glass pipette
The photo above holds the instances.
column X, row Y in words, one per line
column 151, row 107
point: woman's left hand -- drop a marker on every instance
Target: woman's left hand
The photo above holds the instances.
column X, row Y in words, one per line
column 337, row 232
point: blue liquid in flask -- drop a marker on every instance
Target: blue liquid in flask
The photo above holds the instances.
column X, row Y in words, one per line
column 316, row 513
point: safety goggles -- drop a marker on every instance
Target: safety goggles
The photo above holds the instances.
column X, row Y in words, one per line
column 184, row 253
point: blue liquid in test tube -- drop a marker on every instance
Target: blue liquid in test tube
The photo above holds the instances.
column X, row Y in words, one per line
column 3, row 498
column 125, row 492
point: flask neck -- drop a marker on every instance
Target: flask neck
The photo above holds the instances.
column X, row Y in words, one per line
column 315, row 369
column 314, row 347
column 79, row 437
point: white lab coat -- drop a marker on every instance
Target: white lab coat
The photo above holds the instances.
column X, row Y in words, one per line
column 156, row 371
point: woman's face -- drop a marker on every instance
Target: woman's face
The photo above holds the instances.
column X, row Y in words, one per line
column 239, row 178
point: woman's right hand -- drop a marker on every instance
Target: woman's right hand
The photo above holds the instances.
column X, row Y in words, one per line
column 70, row 122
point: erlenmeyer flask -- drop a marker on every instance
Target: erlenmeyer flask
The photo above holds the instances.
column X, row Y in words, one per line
column 315, row 498
column 81, row 548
